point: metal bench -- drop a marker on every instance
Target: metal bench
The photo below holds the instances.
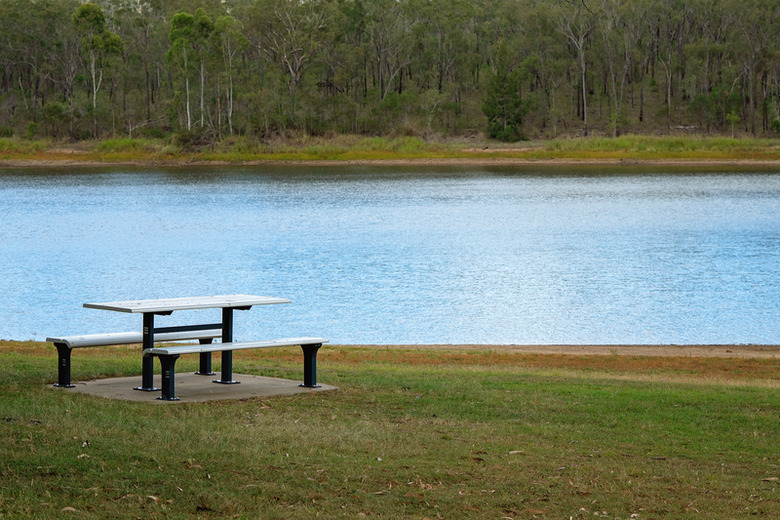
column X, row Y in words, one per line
column 169, row 355
column 67, row 343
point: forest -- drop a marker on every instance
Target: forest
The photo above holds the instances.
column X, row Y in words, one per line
column 206, row 70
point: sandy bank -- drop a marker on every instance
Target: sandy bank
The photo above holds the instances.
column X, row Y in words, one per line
column 77, row 162
column 722, row 351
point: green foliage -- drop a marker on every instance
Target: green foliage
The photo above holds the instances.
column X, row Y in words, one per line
column 386, row 67
column 192, row 140
column 19, row 146
column 89, row 18
column 125, row 145
column 6, row 131
column 504, row 107
column 181, row 36
column 56, row 114
column 732, row 118
column 182, row 29
column 91, row 22
column 663, row 147
column 397, row 145
column 32, row 130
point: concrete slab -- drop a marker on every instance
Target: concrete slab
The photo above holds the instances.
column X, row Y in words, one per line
column 193, row 388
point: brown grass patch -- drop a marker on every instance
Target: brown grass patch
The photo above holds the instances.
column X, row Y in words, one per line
column 711, row 368
column 735, row 369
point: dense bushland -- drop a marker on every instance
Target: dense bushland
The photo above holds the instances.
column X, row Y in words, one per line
column 514, row 69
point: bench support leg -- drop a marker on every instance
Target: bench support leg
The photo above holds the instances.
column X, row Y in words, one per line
column 205, row 360
column 168, row 377
column 63, row 366
column 310, row 365
column 227, row 355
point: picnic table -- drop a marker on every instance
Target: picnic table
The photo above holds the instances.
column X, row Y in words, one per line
column 203, row 331
column 166, row 306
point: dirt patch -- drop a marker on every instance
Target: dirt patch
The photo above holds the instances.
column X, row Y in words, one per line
column 75, row 159
column 723, row 351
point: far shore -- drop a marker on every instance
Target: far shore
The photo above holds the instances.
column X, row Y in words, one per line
column 673, row 151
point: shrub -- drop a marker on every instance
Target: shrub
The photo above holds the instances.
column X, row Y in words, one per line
column 192, row 140
column 32, row 130
column 123, row 145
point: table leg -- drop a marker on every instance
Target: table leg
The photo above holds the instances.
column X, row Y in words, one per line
column 147, row 363
column 227, row 355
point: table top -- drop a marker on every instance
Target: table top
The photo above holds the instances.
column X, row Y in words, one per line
column 189, row 303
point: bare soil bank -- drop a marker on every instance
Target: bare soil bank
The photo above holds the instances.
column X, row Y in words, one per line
column 720, row 351
column 76, row 162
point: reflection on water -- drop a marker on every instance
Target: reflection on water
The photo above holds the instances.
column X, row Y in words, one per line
column 372, row 255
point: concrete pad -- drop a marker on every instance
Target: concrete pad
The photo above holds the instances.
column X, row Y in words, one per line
column 193, row 388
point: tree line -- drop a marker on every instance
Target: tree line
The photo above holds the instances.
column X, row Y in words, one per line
column 209, row 69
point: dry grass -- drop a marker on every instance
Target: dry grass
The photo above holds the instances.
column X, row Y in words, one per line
column 729, row 369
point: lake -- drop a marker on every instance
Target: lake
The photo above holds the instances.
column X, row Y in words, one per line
column 370, row 255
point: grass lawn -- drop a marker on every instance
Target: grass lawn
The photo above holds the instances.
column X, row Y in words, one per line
column 408, row 434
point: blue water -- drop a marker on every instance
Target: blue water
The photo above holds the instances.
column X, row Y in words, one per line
column 401, row 255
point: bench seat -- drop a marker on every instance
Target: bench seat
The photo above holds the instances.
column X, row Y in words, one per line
column 130, row 338
column 169, row 355
column 66, row 344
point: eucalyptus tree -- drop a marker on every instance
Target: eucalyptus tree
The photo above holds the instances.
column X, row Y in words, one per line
column 352, row 55
column 576, row 22
column 289, row 34
column 99, row 44
column 36, row 48
column 616, row 46
column 389, row 24
column 635, row 15
column 182, row 36
column 389, row 34
column 143, row 27
column 755, row 48
column 230, row 40
column 541, row 41
column 440, row 38
column 203, row 28
column 670, row 30
column 445, row 51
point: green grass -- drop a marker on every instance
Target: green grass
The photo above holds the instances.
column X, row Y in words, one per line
column 16, row 146
column 343, row 148
column 126, row 145
column 648, row 147
column 240, row 149
column 396, row 440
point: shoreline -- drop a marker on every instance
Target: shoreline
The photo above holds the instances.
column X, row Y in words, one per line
column 464, row 161
column 694, row 351
column 740, row 351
